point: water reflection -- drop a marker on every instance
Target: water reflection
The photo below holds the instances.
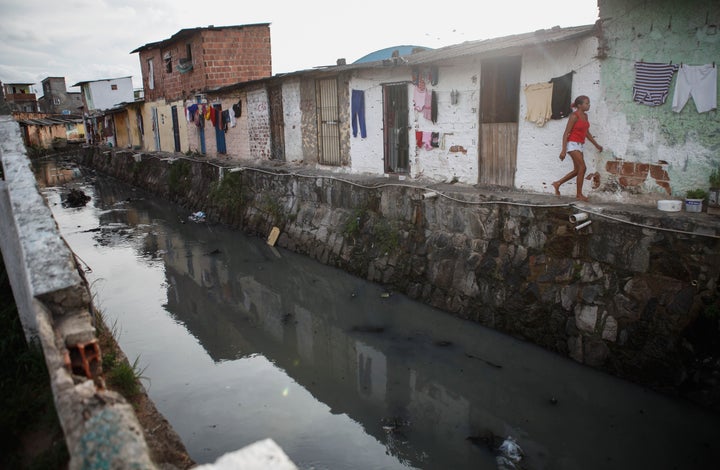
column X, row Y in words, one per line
column 417, row 381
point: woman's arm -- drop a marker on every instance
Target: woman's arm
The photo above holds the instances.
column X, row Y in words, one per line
column 571, row 122
column 592, row 139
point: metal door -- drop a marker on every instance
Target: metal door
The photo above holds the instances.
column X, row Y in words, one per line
column 176, row 128
column 395, row 129
column 277, row 124
column 328, row 122
column 499, row 108
column 219, row 132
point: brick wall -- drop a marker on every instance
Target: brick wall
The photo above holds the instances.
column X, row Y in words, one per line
column 220, row 56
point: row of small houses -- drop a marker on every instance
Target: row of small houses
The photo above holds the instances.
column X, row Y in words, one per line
column 490, row 112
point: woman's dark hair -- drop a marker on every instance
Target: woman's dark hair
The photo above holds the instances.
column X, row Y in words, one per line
column 580, row 100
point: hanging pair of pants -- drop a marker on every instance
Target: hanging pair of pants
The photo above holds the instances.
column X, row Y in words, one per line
column 357, row 115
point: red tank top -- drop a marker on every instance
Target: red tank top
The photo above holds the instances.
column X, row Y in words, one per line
column 579, row 131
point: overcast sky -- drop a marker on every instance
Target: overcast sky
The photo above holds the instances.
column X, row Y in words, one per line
column 85, row 40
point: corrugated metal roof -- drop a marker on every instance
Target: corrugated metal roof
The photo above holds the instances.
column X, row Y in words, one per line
column 486, row 46
column 51, row 121
column 470, row 48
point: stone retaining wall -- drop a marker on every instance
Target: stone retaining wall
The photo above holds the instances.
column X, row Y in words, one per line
column 638, row 302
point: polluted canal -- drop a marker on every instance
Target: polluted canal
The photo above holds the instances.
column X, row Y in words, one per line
column 239, row 341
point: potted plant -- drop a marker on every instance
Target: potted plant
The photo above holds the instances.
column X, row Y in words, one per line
column 694, row 199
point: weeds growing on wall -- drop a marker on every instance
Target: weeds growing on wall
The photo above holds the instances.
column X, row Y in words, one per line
column 30, row 432
column 178, row 175
column 354, row 223
column 228, row 193
column 385, row 236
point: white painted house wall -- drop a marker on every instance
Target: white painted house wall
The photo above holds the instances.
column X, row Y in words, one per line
column 457, row 123
column 538, row 162
column 104, row 97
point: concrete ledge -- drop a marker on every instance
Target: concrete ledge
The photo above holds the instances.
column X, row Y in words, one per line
column 54, row 304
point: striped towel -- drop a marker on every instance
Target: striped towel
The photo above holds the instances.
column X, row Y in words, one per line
column 652, row 82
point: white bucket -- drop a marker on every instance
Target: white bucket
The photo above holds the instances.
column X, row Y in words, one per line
column 693, row 205
column 669, row 205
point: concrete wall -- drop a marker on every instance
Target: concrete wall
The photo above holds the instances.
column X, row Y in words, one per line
column 661, row 31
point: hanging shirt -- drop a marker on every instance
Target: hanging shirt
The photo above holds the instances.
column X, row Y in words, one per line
column 652, row 82
column 562, row 96
column 539, row 103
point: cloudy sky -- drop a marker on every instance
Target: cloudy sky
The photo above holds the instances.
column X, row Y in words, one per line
column 88, row 40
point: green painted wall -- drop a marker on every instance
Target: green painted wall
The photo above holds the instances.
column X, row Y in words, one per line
column 680, row 31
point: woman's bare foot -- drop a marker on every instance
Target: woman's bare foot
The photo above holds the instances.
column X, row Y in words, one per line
column 556, row 185
column 580, row 197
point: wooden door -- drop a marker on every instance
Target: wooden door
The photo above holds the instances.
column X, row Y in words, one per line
column 499, row 108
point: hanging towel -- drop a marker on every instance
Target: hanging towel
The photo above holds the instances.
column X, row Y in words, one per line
column 427, row 140
column 562, row 96
column 231, row 112
column 698, row 81
column 539, row 103
column 418, row 138
column 419, row 97
column 427, row 108
column 652, row 82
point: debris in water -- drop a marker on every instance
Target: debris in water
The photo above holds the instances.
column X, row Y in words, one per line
column 198, row 216
column 497, row 366
column 368, row 329
column 75, row 198
column 443, row 344
column 385, row 295
column 509, row 455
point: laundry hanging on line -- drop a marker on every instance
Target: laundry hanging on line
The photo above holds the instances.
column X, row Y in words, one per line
column 652, row 82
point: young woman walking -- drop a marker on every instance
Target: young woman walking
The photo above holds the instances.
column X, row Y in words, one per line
column 576, row 131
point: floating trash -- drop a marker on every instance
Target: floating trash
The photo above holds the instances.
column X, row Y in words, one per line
column 198, row 216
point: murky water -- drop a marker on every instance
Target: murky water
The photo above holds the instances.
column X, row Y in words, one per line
column 240, row 341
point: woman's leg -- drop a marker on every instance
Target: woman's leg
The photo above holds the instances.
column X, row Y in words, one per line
column 578, row 171
column 579, row 168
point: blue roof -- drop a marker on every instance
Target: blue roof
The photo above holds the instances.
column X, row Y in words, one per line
column 387, row 53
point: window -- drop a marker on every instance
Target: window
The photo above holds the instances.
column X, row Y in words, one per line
column 151, row 74
column 113, row 87
column 188, row 52
column 168, row 62
column 56, row 100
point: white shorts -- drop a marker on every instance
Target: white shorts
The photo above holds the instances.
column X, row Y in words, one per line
column 574, row 146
